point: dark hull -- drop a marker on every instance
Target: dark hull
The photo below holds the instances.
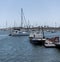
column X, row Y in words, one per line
column 57, row 45
column 38, row 42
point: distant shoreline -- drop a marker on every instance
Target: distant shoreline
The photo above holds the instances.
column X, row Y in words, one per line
column 33, row 28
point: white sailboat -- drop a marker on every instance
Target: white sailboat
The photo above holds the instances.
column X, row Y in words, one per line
column 20, row 32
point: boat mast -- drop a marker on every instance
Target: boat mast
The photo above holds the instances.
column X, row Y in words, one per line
column 6, row 24
column 14, row 23
column 43, row 32
column 21, row 17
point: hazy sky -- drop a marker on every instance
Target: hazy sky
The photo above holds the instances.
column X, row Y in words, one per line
column 38, row 12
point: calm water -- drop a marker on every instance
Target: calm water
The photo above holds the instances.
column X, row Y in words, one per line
column 19, row 49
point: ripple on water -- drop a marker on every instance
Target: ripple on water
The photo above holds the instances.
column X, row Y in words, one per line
column 19, row 49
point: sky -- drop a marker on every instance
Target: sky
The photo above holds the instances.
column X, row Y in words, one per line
column 38, row 12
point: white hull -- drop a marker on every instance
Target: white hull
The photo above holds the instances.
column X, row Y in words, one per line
column 19, row 33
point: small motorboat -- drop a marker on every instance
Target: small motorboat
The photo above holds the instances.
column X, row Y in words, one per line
column 37, row 38
column 49, row 44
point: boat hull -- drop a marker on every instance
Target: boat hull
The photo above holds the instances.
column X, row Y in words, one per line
column 57, row 45
column 49, row 45
column 19, row 34
column 38, row 41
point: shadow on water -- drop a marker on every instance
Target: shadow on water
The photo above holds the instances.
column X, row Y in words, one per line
column 36, row 44
column 58, row 50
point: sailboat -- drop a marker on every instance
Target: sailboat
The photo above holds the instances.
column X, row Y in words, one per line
column 20, row 32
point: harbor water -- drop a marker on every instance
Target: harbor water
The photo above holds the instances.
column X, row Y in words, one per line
column 19, row 49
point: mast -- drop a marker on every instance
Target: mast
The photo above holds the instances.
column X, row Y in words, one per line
column 6, row 24
column 21, row 17
column 43, row 32
column 14, row 24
